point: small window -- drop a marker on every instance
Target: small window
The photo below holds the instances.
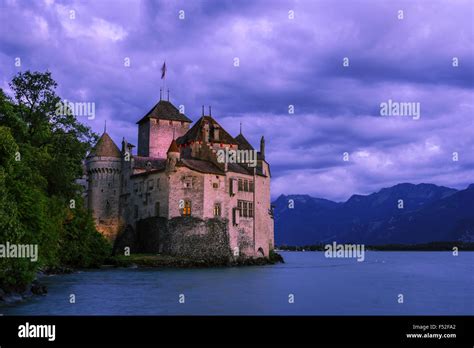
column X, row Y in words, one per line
column 240, row 207
column 187, row 208
column 187, row 182
column 158, row 183
column 245, row 208
column 217, row 209
column 246, row 185
column 157, row 209
column 232, row 187
column 215, row 185
column 241, row 185
column 251, row 186
column 150, row 184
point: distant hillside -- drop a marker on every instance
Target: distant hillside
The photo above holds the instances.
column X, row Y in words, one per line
column 430, row 213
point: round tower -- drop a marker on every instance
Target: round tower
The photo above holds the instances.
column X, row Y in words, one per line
column 103, row 166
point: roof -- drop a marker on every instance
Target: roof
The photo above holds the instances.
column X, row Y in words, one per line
column 243, row 143
column 200, row 166
column 173, row 147
column 155, row 163
column 238, row 168
column 195, row 132
column 105, row 147
column 164, row 110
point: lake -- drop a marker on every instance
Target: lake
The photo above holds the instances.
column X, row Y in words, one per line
column 432, row 283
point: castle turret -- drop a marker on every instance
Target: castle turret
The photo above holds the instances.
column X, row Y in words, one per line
column 158, row 127
column 103, row 166
column 173, row 155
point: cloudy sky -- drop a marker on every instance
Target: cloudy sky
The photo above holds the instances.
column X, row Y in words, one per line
column 290, row 55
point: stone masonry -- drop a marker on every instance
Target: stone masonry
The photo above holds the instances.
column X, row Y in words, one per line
column 175, row 196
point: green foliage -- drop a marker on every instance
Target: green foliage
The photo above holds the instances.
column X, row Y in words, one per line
column 41, row 155
column 81, row 245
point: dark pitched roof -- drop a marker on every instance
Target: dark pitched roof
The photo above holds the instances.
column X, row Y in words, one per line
column 173, row 147
column 238, row 168
column 164, row 110
column 243, row 143
column 195, row 133
column 154, row 163
column 201, row 166
column 105, row 147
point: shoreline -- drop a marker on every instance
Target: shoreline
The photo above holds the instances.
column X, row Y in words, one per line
column 168, row 261
column 36, row 288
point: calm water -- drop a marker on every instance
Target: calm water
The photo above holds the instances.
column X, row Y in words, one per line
column 433, row 283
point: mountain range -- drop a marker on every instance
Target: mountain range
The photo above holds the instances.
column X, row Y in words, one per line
column 401, row 214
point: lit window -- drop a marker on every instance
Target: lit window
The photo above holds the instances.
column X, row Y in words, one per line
column 186, row 208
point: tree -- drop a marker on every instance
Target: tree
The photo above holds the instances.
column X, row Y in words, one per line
column 41, row 154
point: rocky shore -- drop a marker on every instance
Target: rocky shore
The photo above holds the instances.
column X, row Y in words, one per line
column 167, row 261
column 34, row 289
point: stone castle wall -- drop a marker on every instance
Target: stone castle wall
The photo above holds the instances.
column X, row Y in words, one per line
column 188, row 237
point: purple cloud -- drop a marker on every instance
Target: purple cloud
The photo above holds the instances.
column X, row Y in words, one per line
column 283, row 61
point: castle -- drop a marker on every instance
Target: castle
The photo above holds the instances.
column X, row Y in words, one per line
column 179, row 194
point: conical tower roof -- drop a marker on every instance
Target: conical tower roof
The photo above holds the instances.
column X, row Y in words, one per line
column 105, row 147
column 173, row 147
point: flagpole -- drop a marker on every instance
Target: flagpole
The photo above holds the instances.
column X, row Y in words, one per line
column 163, row 77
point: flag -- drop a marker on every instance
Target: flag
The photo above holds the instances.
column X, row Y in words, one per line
column 163, row 70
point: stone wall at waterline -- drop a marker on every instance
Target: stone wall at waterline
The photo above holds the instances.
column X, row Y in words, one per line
column 187, row 237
